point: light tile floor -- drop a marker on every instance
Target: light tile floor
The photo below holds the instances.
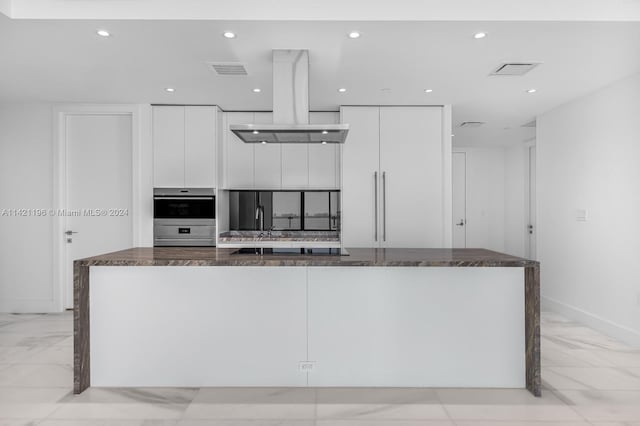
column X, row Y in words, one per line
column 589, row 379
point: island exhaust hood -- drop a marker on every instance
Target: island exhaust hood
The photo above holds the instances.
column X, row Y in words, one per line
column 291, row 107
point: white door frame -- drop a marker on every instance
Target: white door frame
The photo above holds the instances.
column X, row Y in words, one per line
column 138, row 135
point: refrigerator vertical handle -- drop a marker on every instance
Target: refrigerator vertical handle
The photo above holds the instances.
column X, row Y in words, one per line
column 384, row 206
column 375, row 205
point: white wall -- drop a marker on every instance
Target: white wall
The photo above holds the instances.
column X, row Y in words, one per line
column 588, row 157
column 26, row 182
column 26, row 276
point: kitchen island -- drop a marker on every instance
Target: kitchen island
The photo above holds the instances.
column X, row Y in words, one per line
column 378, row 317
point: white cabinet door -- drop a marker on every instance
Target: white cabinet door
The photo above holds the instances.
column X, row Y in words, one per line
column 295, row 165
column 360, row 177
column 372, row 326
column 239, row 326
column 199, row 151
column 267, row 163
column 411, row 176
column 323, row 159
column 238, row 155
column 168, row 146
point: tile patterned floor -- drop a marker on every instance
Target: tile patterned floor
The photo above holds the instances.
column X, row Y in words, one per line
column 588, row 378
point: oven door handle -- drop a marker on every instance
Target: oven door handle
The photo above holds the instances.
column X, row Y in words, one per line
column 184, row 198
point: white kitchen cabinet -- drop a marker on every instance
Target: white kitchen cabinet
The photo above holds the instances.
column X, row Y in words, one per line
column 279, row 166
column 394, row 185
column 168, row 146
column 295, row 165
column 238, row 156
column 200, row 146
column 184, row 146
column 311, row 165
column 360, row 180
column 324, row 159
column 267, row 158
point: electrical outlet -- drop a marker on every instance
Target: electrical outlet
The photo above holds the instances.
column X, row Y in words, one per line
column 306, row 366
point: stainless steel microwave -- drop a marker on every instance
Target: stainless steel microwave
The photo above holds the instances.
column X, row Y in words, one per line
column 184, row 217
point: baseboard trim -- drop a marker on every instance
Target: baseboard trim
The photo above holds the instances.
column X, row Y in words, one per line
column 28, row 306
column 628, row 335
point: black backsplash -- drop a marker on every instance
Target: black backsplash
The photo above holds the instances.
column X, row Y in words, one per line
column 285, row 210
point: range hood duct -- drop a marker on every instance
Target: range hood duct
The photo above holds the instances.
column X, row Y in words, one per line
column 290, row 107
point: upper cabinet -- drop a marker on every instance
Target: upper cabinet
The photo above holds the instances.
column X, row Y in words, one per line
column 184, row 146
column 278, row 166
column 312, row 165
column 324, row 160
column 267, row 157
column 238, row 156
column 396, row 165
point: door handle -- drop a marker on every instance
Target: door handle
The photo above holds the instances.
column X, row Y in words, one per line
column 375, row 204
column 384, row 206
column 461, row 223
column 70, row 233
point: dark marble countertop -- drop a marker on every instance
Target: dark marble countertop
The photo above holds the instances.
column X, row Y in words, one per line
column 211, row 256
column 279, row 236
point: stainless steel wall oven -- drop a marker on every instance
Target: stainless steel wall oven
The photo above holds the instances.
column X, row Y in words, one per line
column 184, row 217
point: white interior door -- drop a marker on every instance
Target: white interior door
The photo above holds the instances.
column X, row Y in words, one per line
column 98, row 188
column 532, row 227
column 459, row 189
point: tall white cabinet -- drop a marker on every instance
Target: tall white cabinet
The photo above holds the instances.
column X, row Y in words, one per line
column 396, row 177
column 184, row 146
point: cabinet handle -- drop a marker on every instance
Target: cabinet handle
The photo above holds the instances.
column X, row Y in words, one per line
column 375, row 204
column 384, row 206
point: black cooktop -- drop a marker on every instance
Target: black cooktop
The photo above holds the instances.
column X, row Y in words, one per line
column 289, row 251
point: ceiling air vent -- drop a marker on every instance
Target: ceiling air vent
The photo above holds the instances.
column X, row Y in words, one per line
column 227, row 68
column 514, row 68
column 470, row 124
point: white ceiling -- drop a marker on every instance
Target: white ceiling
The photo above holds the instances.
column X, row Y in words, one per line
column 331, row 10
column 65, row 61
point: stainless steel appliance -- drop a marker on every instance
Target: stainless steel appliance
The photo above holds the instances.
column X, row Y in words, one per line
column 291, row 107
column 184, row 217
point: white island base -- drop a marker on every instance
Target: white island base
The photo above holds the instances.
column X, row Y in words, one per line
column 197, row 326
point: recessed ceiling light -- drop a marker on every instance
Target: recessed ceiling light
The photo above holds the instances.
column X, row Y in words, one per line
column 428, row 90
column 479, row 35
column 324, row 132
column 257, row 90
column 263, row 142
column 255, row 132
column 169, row 89
column 103, row 33
column 452, row 135
column 531, row 91
column 354, row 34
column 342, row 90
column 324, row 142
column 229, row 34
